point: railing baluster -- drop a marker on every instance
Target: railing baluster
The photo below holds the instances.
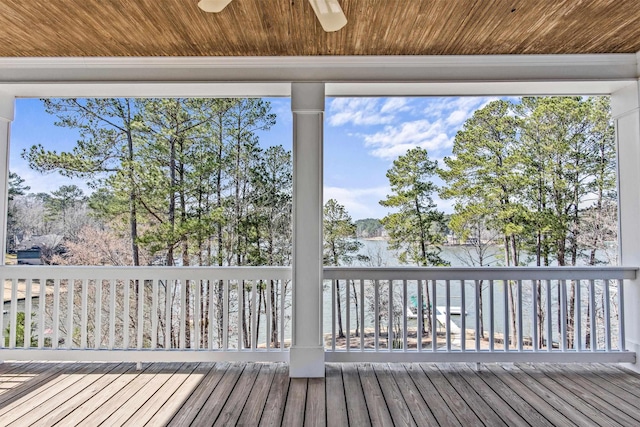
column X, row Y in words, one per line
column 434, row 317
column 334, row 303
column 254, row 313
column 361, row 314
column 376, row 310
column 549, row 318
column 607, row 315
column 197, row 324
column 621, row 333
column 126, row 327
column 282, row 312
column 140, row 284
column 463, row 316
column 478, row 295
column 347, row 305
column 534, row 298
column 505, row 336
column 85, row 314
column 27, row 315
column 241, row 308
column 448, row 313
column 404, row 316
column 168, row 302
column 390, row 318
column 154, row 314
column 225, row 315
column 268, row 317
column 112, row 313
column 492, row 339
column 563, row 313
column 182, row 318
column 42, row 301
column 213, row 324
column 98, row 325
column 577, row 330
column 69, row 337
column 420, row 314
column 13, row 322
column 520, row 337
column 56, row 314
column 592, row 315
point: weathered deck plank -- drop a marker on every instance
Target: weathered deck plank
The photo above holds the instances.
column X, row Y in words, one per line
column 257, row 399
column 614, row 408
column 526, row 403
column 238, row 398
column 217, row 399
column 398, row 409
column 177, row 399
column 335, row 396
column 162, row 396
column 356, row 404
column 50, row 411
column 315, row 414
column 421, row 413
column 351, row 394
column 571, row 404
column 93, row 403
column 376, row 405
column 449, row 396
column 197, row 399
column 274, row 406
column 494, row 401
column 296, row 400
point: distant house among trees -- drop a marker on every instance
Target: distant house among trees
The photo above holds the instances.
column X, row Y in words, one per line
column 34, row 250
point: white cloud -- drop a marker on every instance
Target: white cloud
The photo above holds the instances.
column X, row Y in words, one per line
column 393, row 141
column 457, row 110
column 395, row 105
column 364, row 111
column 359, row 202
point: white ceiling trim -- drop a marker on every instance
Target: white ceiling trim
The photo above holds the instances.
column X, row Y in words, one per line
column 345, row 75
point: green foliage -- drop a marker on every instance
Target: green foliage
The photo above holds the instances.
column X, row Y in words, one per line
column 339, row 231
column 369, row 227
column 416, row 230
column 529, row 170
column 20, row 325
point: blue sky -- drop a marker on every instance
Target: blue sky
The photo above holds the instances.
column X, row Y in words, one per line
column 362, row 138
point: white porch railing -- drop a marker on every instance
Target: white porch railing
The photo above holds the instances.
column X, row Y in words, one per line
column 549, row 314
column 145, row 313
column 244, row 314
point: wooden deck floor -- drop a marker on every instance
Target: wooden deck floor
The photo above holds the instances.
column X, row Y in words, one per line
column 251, row 394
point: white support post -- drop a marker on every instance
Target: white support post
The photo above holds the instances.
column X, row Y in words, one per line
column 625, row 105
column 7, row 103
column 307, row 350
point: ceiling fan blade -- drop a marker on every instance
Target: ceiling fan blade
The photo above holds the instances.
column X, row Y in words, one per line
column 329, row 14
column 214, row 6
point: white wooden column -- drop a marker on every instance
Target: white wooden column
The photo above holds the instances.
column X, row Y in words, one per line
column 7, row 103
column 307, row 350
column 625, row 105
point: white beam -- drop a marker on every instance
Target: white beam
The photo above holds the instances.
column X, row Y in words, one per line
column 307, row 350
column 625, row 105
column 330, row 69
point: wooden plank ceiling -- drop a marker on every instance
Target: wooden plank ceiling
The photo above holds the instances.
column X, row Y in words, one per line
column 289, row 27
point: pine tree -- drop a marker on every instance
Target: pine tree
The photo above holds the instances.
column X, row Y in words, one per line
column 416, row 230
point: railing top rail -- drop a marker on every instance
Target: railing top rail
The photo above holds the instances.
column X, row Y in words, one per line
column 145, row 273
column 479, row 273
